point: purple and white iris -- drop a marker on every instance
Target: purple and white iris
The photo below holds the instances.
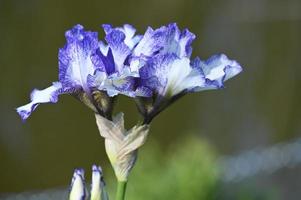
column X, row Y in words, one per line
column 156, row 65
column 166, row 67
column 85, row 64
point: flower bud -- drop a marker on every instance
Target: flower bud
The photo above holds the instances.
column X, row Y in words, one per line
column 121, row 145
column 77, row 190
column 98, row 191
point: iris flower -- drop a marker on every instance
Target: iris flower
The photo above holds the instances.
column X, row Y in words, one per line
column 155, row 69
column 165, row 67
column 88, row 67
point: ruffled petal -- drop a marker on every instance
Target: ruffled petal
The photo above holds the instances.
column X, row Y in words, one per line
column 121, row 85
column 185, row 40
column 154, row 74
column 217, row 69
column 169, row 75
column 47, row 95
column 121, row 40
column 75, row 62
column 166, row 39
column 97, row 80
column 178, row 42
column 129, row 31
column 151, row 42
column 120, row 50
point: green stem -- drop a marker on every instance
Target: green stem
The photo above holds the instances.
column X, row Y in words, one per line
column 121, row 187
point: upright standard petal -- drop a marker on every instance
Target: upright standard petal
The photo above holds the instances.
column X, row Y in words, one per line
column 77, row 188
column 166, row 39
column 151, row 42
column 114, row 74
column 75, row 62
column 178, row 42
column 121, row 40
column 47, row 95
column 129, row 31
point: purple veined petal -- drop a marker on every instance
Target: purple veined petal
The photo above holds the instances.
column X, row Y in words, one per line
column 178, row 42
column 130, row 38
column 119, row 85
column 96, row 56
column 77, row 188
column 37, row 97
column 136, row 63
column 127, row 71
column 170, row 44
column 97, row 80
column 151, row 42
column 216, row 70
column 129, row 31
column 120, row 50
column 154, row 74
column 185, row 40
column 121, row 40
column 75, row 62
column 165, row 40
column 122, row 84
column 219, row 68
column 106, row 61
column 182, row 77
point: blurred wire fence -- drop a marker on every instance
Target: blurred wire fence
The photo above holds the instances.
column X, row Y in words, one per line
column 261, row 160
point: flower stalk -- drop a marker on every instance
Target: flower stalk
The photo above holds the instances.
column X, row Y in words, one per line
column 121, row 189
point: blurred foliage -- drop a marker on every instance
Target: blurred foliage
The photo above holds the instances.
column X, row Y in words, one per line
column 187, row 170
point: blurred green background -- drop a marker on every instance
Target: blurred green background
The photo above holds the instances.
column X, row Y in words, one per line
column 258, row 108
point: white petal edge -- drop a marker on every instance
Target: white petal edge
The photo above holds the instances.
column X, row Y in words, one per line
column 37, row 97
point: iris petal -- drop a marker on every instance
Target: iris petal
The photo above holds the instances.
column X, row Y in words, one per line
column 217, row 69
column 118, row 76
column 75, row 62
column 37, row 97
